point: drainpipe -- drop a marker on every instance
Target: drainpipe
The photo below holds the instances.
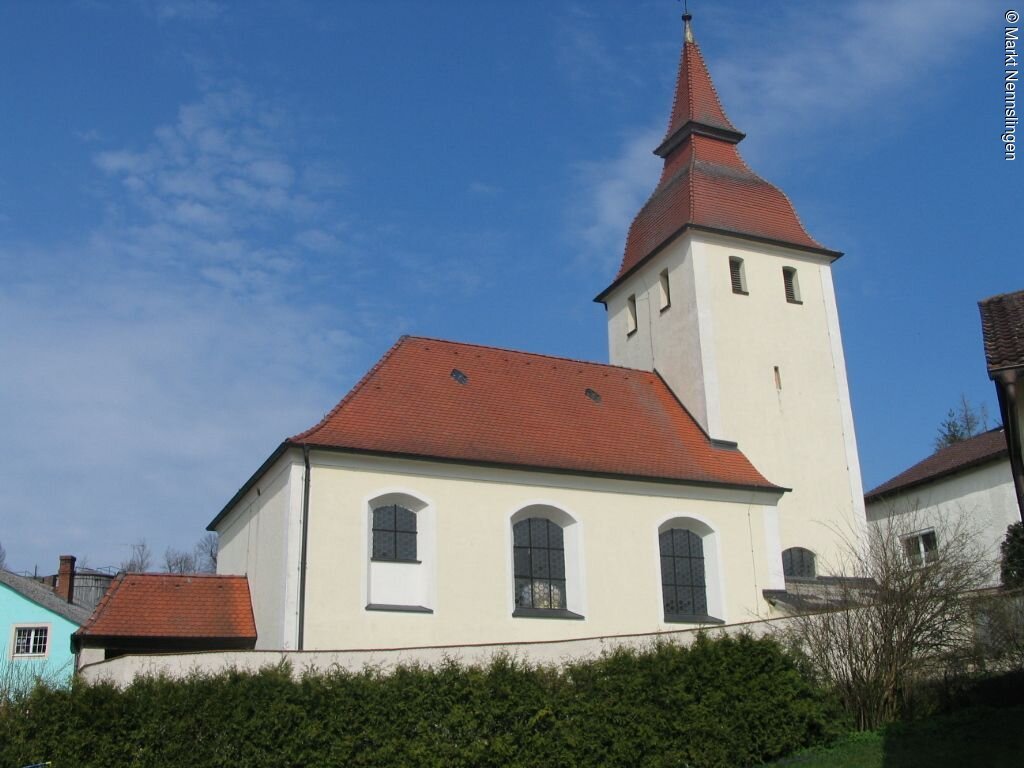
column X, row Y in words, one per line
column 302, row 554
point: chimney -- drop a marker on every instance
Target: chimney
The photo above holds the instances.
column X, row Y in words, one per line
column 65, row 588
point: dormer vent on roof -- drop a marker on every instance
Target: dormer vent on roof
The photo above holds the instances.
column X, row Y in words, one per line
column 459, row 376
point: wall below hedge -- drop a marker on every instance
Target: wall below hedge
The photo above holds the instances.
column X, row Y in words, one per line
column 730, row 701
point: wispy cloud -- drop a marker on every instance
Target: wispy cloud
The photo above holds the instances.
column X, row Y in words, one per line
column 159, row 357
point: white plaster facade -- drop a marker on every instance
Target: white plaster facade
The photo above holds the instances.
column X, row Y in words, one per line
column 755, row 369
column 980, row 500
column 464, row 575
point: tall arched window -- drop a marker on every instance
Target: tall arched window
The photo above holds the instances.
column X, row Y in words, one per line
column 683, row 580
column 538, row 557
column 394, row 533
column 798, row 563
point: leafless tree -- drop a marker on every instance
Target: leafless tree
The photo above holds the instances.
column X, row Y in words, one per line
column 901, row 610
column 140, row 559
column 178, row 561
column 206, row 553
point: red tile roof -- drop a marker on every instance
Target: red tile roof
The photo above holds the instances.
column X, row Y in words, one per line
column 165, row 605
column 526, row 410
column 1002, row 326
column 705, row 183
column 972, row 452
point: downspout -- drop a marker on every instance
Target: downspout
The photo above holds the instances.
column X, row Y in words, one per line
column 302, row 554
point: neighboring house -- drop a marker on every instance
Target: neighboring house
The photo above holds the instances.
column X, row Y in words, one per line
column 967, row 483
column 89, row 587
column 1002, row 327
column 36, row 623
column 464, row 494
column 164, row 612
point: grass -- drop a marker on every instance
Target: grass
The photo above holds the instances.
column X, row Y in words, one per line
column 980, row 736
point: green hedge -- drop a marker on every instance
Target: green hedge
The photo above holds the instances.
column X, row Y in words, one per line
column 720, row 702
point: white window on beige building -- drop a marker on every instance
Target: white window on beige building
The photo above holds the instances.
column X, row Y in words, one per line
column 791, row 284
column 400, row 568
column 664, row 291
column 546, row 564
column 737, row 275
column 690, row 576
column 921, row 548
column 631, row 316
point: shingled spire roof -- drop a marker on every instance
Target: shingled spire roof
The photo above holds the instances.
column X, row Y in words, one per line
column 705, row 184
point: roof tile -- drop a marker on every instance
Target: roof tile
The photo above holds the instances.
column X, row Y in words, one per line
column 1002, row 326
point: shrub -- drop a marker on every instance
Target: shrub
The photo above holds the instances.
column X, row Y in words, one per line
column 721, row 702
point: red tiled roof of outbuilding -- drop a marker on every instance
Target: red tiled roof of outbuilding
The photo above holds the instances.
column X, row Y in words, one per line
column 1002, row 327
column 167, row 605
column 526, row 410
column 972, row 452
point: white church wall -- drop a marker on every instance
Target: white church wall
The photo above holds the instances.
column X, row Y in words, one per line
column 257, row 540
column 981, row 499
column 782, row 392
column 615, row 523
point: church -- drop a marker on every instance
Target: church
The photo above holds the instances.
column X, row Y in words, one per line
column 462, row 494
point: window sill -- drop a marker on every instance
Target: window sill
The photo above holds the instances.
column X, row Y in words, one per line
column 741, row 293
column 793, row 301
column 394, row 560
column 702, row 619
column 545, row 613
column 398, row 608
column 664, row 309
column 631, row 334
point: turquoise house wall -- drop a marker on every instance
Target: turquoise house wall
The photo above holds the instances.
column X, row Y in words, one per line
column 58, row 664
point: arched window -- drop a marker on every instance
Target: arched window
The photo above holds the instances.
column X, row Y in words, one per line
column 798, row 563
column 538, row 557
column 394, row 534
column 683, row 579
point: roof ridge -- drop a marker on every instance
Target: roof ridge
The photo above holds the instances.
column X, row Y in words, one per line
column 525, row 353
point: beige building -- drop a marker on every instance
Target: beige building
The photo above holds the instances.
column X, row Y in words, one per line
column 462, row 494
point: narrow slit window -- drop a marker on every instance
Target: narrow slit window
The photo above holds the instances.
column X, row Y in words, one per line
column 737, row 275
column 664, row 292
column 631, row 315
column 792, row 285
column 778, row 379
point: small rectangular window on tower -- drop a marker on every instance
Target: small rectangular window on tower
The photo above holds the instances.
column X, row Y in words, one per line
column 665, row 294
column 631, row 315
column 737, row 275
column 792, row 285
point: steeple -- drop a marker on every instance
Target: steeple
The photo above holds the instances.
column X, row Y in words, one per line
column 705, row 184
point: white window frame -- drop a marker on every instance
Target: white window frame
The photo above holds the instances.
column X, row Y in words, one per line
column 736, row 265
column 924, row 556
column 664, row 290
column 32, row 625
column 714, row 575
column 572, row 541
column 402, row 586
column 791, row 284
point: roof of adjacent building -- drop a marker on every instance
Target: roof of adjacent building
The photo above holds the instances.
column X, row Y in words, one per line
column 1002, row 326
column 436, row 399
column 705, row 184
column 972, row 452
column 166, row 605
column 39, row 593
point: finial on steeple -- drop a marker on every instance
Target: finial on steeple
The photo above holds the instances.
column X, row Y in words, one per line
column 687, row 18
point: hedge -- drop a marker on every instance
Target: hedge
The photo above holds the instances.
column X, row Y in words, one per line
column 720, row 702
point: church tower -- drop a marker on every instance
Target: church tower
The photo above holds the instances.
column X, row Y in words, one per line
column 726, row 296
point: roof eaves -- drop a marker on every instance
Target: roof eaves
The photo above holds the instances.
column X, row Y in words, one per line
column 247, row 486
column 881, row 492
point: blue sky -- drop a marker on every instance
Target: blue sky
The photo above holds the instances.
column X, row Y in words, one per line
column 215, row 216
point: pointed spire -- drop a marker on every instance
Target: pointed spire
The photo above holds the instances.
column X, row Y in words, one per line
column 695, row 108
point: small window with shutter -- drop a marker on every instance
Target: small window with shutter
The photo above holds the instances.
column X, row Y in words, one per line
column 631, row 315
column 737, row 276
column 792, row 285
column 665, row 294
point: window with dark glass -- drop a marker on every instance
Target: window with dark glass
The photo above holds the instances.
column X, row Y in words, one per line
column 538, row 555
column 394, row 534
column 798, row 563
column 683, row 587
